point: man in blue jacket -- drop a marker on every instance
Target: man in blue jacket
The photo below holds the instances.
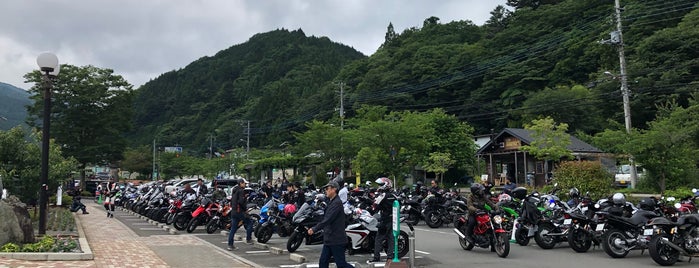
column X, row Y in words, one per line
column 333, row 226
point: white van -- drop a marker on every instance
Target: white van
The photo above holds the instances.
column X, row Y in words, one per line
column 622, row 178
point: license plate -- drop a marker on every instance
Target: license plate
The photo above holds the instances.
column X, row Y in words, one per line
column 648, row 232
column 599, row 227
column 567, row 221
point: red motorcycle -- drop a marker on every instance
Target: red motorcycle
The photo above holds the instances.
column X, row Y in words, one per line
column 200, row 216
column 488, row 232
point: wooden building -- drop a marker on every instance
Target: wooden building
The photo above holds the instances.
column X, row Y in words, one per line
column 505, row 159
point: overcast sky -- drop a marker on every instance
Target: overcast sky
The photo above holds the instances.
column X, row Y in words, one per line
column 141, row 39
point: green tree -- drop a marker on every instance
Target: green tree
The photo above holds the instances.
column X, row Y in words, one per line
column 668, row 148
column 139, row 159
column 439, row 163
column 91, row 112
column 583, row 116
column 549, row 141
column 20, row 157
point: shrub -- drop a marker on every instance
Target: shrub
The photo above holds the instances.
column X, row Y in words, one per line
column 66, row 201
column 10, row 247
column 679, row 192
column 587, row 176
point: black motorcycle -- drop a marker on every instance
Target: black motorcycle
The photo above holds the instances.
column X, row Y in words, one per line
column 411, row 209
column 305, row 218
column 672, row 239
column 439, row 209
column 624, row 234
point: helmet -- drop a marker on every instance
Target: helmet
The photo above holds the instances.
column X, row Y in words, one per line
column 419, row 183
column 647, row 203
column 619, row 199
column 351, row 186
column 504, row 198
column 384, row 183
column 477, row 189
column 573, row 192
column 368, row 183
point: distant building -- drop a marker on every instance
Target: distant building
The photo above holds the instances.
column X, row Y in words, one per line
column 504, row 157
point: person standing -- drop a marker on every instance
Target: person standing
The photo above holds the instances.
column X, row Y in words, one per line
column 384, row 205
column 267, row 189
column 109, row 194
column 239, row 213
column 201, row 188
column 333, row 226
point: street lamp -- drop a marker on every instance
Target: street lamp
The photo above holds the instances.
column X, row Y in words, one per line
column 48, row 64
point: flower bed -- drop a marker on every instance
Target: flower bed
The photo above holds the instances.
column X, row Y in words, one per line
column 46, row 244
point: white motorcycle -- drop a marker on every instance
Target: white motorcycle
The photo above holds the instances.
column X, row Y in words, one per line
column 362, row 232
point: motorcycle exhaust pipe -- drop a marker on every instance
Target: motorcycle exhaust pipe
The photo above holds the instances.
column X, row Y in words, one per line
column 459, row 233
column 667, row 242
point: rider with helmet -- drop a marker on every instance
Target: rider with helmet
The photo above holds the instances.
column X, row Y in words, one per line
column 620, row 205
column 383, row 204
column 574, row 195
column 477, row 201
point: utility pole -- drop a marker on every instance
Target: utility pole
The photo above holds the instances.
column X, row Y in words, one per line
column 247, row 148
column 342, row 128
column 153, row 174
column 619, row 40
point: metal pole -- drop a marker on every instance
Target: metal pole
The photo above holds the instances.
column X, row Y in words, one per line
column 154, row 170
column 624, row 86
column 248, row 142
column 342, row 128
column 411, row 248
column 43, row 195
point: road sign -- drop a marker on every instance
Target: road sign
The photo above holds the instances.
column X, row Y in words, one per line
column 173, row 149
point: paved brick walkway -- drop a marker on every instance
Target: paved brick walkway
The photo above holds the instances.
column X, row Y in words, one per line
column 114, row 246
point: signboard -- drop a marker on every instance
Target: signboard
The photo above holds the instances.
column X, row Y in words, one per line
column 173, row 149
column 512, row 143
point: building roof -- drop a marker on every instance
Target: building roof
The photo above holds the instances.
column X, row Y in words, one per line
column 576, row 145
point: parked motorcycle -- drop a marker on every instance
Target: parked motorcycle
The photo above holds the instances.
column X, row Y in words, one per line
column 672, row 239
column 305, row 218
column 362, row 233
column 275, row 217
column 624, row 234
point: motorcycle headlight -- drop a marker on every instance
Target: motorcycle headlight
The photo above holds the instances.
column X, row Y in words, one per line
column 678, row 205
column 497, row 219
column 407, row 207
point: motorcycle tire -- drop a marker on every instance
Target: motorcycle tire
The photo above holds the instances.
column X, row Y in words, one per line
column 255, row 221
column 463, row 242
column 349, row 250
column 433, row 219
column 543, row 241
column 265, row 233
column 294, row 242
column 662, row 254
column 170, row 218
column 162, row 216
column 501, row 244
column 522, row 236
column 181, row 222
column 192, row 225
column 212, row 226
column 609, row 246
column 579, row 240
column 402, row 244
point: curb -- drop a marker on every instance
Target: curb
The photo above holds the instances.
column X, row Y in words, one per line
column 277, row 251
column 165, row 227
column 298, row 258
column 86, row 255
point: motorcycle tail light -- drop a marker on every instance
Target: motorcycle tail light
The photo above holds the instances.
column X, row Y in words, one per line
column 566, row 216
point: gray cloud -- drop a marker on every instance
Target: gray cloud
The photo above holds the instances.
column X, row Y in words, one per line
column 143, row 39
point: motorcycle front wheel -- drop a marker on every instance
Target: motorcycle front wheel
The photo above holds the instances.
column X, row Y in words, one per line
column 294, row 242
column 212, row 226
column 413, row 218
column 522, row 236
column 265, row 233
column 433, row 219
column 180, row 222
column 662, row 254
column 502, row 245
column 192, row 225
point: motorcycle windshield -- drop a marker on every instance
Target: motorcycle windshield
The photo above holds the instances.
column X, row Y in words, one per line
column 269, row 204
column 302, row 213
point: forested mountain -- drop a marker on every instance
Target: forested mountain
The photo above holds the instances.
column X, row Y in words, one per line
column 12, row 106
column 542, row 58
column 277, row 80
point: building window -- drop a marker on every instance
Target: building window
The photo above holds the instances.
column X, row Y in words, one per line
column 539, row 167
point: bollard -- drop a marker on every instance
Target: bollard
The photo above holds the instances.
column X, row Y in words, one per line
column 514, row 230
